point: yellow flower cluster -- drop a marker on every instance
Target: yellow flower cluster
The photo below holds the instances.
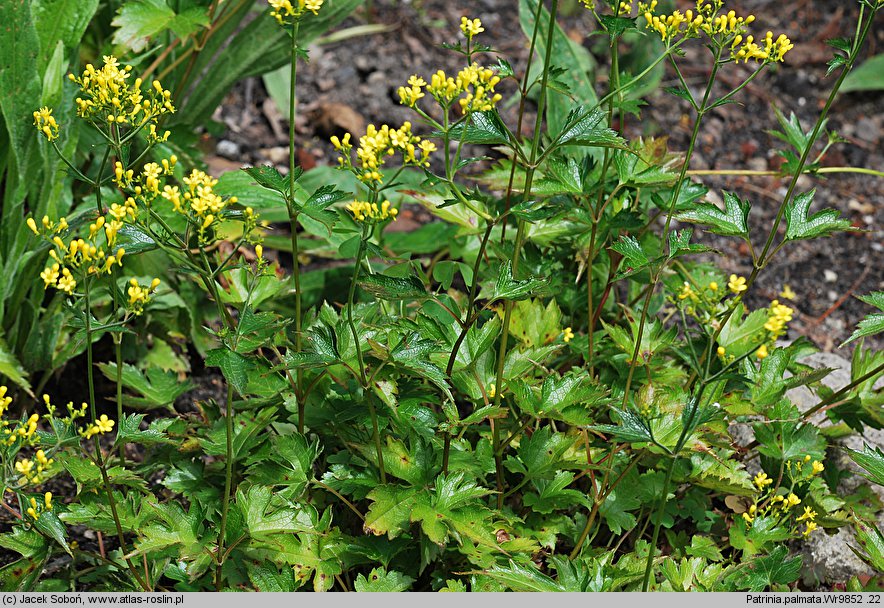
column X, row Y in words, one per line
column 378, row 144
column 474, row 85
column 84, row 257
column 99, row 427
column 46, row 124
column 775, row 503
column 737, row 285
column 108, row 98
column 778, row 316
column 567, row 335
column 46, row 506
column 284, row 11
column 370, row 212
column 32, row 470
column 773, row 50
column 139, row 295
column 720, row 27
column 624, row 8
column 471, row 27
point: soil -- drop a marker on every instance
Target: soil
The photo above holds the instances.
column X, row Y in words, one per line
column 352, row 83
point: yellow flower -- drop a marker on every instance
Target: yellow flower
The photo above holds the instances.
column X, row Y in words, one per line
column 818, row 467
column 713, row 286
column 787, row 293
column 492, row 391
column 567, row 335
column 721, row 351
column 810, row 527
column 762, row 353
column 761, row 480
column 47, row 501
column 104, row 424
column 24, row 467
column 285, row 11
column 471, row 27
column 139, row 295
column 736, row 284
column 45, row 123
column 809, row 514
column 370, row 212
column 4, row 400
column 791, row 501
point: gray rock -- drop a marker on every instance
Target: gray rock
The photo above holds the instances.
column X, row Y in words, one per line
column 829, row 558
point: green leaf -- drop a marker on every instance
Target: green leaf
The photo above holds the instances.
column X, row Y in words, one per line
column 868, row 76
column 22, row 574
column 20, row 87
column 705, row 547
column 873, row 323
column 259, row 47
column 635, row 257
column 524, row 577
column 872, row 460
column 138, row 20
column 129, row 431
column 49, row 524
column 759, row 536
column 62, row 21
column 506, row 288
column 800, row 225
column 484, row 128
column 268, row 578
column 552, row 495
column 171, row 526
column 773, row 569
column 588, row 127
column 268, row 177
column 12, row 369
column 390, row 510
column 733, row 220
column 632, row 428
column 157, row 388
column 393, row 288
column 234, row 366
column 871, row 544
column 135, row 240
column 615, row 26
column 266, row 513
column 576, row 63
column 379, row 580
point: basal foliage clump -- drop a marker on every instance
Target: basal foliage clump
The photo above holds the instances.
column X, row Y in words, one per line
column 534, row 393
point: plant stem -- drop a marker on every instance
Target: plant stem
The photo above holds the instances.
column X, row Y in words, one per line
column 670, row 212
column 366, row 385
column 293, row 223
column 821, row 170
column 228, row 482
column 90, row 379
column 652, row 549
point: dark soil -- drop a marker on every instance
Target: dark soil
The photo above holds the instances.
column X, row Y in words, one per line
column 352, row 83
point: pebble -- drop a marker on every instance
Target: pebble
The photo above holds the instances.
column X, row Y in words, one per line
column 227, row 149
column 830, row 275
column 276, row 155
column 757, row 164
column 867, row 130
column 832, row 295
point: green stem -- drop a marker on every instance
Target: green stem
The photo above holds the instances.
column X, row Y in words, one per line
column 293, row 223
column 669, row 213
column 520, row 236
column 366, row 386
column 652, row 549
column 228, row 483
column 90, row 379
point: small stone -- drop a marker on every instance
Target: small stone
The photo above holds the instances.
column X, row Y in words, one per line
column 227, row 149
column 757, row 164
column 832, row 295
column 830, row 275
column 277, row 155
